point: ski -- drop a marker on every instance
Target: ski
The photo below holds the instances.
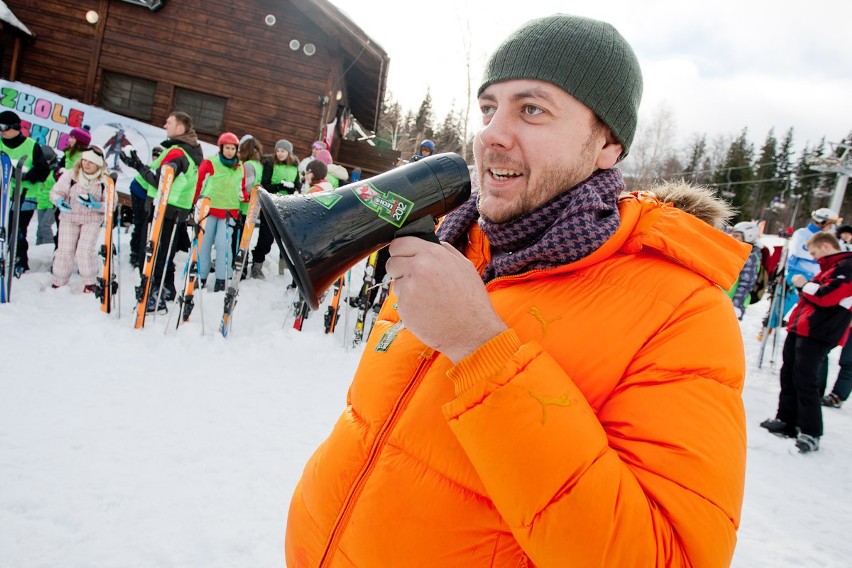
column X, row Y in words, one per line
column 775, row 314
column 4, row 220
column 106, row 285
column 301, row 311
column 376, row 307
column 331, row 316
column 15, row 198
column 167, row 177
column 190, row 270
column 239, row 262
column 362, row 301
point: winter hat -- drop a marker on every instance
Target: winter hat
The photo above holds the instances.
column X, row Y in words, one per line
column 324, row 156
column 319, row 145
column 82, row 136
column 245, row 138
column 586, row 58
column 92, row 156
column 318, row 168
column 10, row 120
column 286, row 144
column 843, row 229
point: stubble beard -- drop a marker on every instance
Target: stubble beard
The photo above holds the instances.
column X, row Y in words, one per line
column 549, row 183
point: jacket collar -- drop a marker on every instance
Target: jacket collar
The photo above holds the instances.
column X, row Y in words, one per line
column 647, row 223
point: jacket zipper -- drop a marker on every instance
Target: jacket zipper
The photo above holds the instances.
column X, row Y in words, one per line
column 426, row 359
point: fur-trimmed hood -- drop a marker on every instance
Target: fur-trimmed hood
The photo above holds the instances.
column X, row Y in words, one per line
column 696, row 200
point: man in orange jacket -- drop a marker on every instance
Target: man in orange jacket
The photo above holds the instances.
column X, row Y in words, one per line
column 558, row 383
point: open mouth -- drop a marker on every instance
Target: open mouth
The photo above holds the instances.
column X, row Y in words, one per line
column 503, row 175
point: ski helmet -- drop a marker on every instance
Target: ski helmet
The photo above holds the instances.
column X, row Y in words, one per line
column 823, row 215
column 748, row 230
column 228, row 138
column 428, row 144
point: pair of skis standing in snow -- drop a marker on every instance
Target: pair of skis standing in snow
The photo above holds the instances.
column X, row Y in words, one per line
column 10, row 208
column 10, row 211
column 366, row 303
column 186, row 299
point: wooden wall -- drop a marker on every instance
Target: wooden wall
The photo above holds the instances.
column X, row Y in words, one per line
column 219, row 47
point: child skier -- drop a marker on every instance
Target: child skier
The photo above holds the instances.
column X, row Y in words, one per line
column 78, row 195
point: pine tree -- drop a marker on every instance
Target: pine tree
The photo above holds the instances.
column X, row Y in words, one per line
column 390, row 125
column 421, row 128
column 697, row 160
column 734, row 180
column 447, row 137
column 766, row 170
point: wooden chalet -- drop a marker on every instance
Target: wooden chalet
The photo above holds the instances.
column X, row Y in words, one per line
column 271, row 68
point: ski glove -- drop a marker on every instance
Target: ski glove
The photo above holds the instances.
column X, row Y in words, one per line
column 87, row 201
column 287, row 184
column 63, row 206
column 131, row 158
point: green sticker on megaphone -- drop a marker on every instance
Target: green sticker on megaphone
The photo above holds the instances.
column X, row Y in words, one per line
column 325, row 198
column 391, row 207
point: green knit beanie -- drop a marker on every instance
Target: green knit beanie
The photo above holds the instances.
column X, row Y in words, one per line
column 587, row 58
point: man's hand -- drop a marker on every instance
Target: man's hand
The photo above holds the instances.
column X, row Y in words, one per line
column 129, row 156
column 798, row 280
column 441, row 297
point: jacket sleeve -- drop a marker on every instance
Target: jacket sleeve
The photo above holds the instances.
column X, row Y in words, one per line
column 175, row 157
column 833, row 292
column 61, row 189
column 651, row 476
column 204, row 171
column 39, row 170
column 748, row 276
column 266, row 177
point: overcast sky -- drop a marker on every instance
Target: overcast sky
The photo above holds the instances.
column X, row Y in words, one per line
column 717, row 66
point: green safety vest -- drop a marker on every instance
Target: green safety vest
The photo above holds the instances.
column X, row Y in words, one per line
column 335, row 183
column 284, row 172
column 253, row 173
column 71, row 158
column 43, row 196
column 24, row 150
column 223, row 187
column 182, row 193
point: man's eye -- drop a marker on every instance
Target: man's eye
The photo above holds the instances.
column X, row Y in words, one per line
column 487, row 110
column 532, row 110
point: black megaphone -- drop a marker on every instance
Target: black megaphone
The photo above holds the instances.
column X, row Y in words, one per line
column 324, row 234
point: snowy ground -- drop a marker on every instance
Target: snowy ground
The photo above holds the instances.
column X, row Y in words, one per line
column 128, row 448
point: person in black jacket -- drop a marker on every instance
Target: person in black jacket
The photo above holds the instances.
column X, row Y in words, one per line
column 819, row 321
column 17, row 146
column 183, row 151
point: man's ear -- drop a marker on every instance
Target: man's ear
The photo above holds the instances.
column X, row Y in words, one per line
column 611, row 151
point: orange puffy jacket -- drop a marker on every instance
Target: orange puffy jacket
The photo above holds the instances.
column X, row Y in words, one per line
column 605, row 427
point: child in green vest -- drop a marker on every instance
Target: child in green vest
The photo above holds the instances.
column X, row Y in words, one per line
column 280, row 175
column 220, row 179
column 45, row 211
column 251, row 156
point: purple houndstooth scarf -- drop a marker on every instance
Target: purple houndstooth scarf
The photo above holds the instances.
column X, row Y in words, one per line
column 566, row 229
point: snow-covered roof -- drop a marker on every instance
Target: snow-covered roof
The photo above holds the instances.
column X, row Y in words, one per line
column 7, row 16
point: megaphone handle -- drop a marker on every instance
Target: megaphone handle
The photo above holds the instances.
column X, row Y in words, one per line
column 423, row 228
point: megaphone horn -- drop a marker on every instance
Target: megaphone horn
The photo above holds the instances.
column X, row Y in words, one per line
column 324, row 234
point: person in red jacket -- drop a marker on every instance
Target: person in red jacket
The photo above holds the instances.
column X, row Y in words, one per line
column 819, row 321
column 558, row 382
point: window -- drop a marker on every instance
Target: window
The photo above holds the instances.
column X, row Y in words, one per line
column 130, row 96
column 207, row 111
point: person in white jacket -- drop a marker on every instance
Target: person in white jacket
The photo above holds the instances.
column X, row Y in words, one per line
column 79, row 195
